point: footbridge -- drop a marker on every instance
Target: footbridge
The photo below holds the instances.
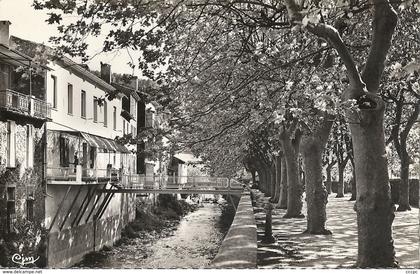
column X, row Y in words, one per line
column 175, row 185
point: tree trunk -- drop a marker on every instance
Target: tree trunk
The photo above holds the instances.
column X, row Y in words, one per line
column 253, row 177
column 262, row 183
column 268, row 182
column 272, row 171
column 328, row 183
column 316, row 193
column 404, row 198
column 353, row 184
column 277, row 167
column 283, row 185
column 294, row 188
column 375, row 211
column 340, row 187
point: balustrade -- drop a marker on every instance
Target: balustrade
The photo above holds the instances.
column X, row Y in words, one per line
column 18, row 102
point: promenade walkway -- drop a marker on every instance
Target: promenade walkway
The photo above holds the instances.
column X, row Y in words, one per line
column 339, row 250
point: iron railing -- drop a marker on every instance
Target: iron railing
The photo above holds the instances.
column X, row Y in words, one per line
column 139, row 181
column 87, row 175
column 14, row 100
column 41, row 108
column 18, row 102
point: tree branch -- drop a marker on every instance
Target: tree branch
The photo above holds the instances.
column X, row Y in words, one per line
column 384, row 23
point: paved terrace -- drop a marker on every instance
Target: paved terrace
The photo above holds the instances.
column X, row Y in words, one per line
column 296, row 250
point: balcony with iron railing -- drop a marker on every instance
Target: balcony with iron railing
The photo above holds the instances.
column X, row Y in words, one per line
column 23, row 104
column 81, row 175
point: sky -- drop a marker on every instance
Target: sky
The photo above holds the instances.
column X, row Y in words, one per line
column 30, row 24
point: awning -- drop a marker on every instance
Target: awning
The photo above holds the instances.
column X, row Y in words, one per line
column 104, row 143
column 187, row 158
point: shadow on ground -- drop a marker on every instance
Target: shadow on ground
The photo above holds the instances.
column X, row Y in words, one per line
column 339, row 250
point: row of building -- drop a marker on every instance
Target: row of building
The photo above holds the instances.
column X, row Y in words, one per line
column 59, row 123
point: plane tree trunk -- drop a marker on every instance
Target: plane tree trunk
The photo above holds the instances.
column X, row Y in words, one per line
column 316, row 193
column 400, row 142
column 353, row 181
column 328, row 183
column 283, row 185
column 374, row 208
column 277, row 166
column 294, row 189
column 340, row 186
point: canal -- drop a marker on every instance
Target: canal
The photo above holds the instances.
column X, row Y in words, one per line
column 192, row 243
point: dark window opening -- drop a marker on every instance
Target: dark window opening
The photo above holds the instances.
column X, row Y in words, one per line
column 105, row 114
column 92, row 157
column 54, row 80
column 64, row 152
column 70, row 98
column 30, row 209
column 11, row 209
column 83, row 104
column 95, row 109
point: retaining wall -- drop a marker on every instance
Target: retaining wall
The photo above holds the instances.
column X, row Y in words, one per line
column 239, row 247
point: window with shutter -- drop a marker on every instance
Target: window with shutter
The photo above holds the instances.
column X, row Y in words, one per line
column 11, row 144
column 105, row 114
column 30, row 146
column 95, row 109
column 83, row 104
column 11, row 209
column 70, row 99
column 114, row 116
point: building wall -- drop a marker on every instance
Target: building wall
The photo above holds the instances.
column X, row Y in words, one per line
column 64, row 121
column 21, row 176
column 69, row 241
column 68, row 245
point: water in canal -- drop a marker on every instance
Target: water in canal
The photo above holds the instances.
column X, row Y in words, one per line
column 193, row 243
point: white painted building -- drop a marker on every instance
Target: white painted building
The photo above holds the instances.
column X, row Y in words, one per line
column 82, row 158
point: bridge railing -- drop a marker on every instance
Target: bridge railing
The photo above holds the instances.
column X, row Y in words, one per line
column 139, row 181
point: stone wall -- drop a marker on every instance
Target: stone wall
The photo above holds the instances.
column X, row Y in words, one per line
column 239, row 247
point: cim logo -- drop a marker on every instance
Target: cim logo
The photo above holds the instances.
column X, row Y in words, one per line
column 22, row 260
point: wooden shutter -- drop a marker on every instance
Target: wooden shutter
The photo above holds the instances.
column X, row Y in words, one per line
column 11, row 144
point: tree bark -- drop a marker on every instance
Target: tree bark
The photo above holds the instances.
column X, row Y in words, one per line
column 328, row 183
column 340, row 187
column 277, row 167
column 272, row 170
column 375, row 211
column 261, row 177
column 253, row 177
column 269, row 186
column 283, row 185
column 294, row 188
column 353, row 183
column 316, row 193
column 404, row 197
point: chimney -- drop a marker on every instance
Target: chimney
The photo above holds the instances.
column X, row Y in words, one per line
column 106, row 72
column 4, row 32
column 134, row 83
